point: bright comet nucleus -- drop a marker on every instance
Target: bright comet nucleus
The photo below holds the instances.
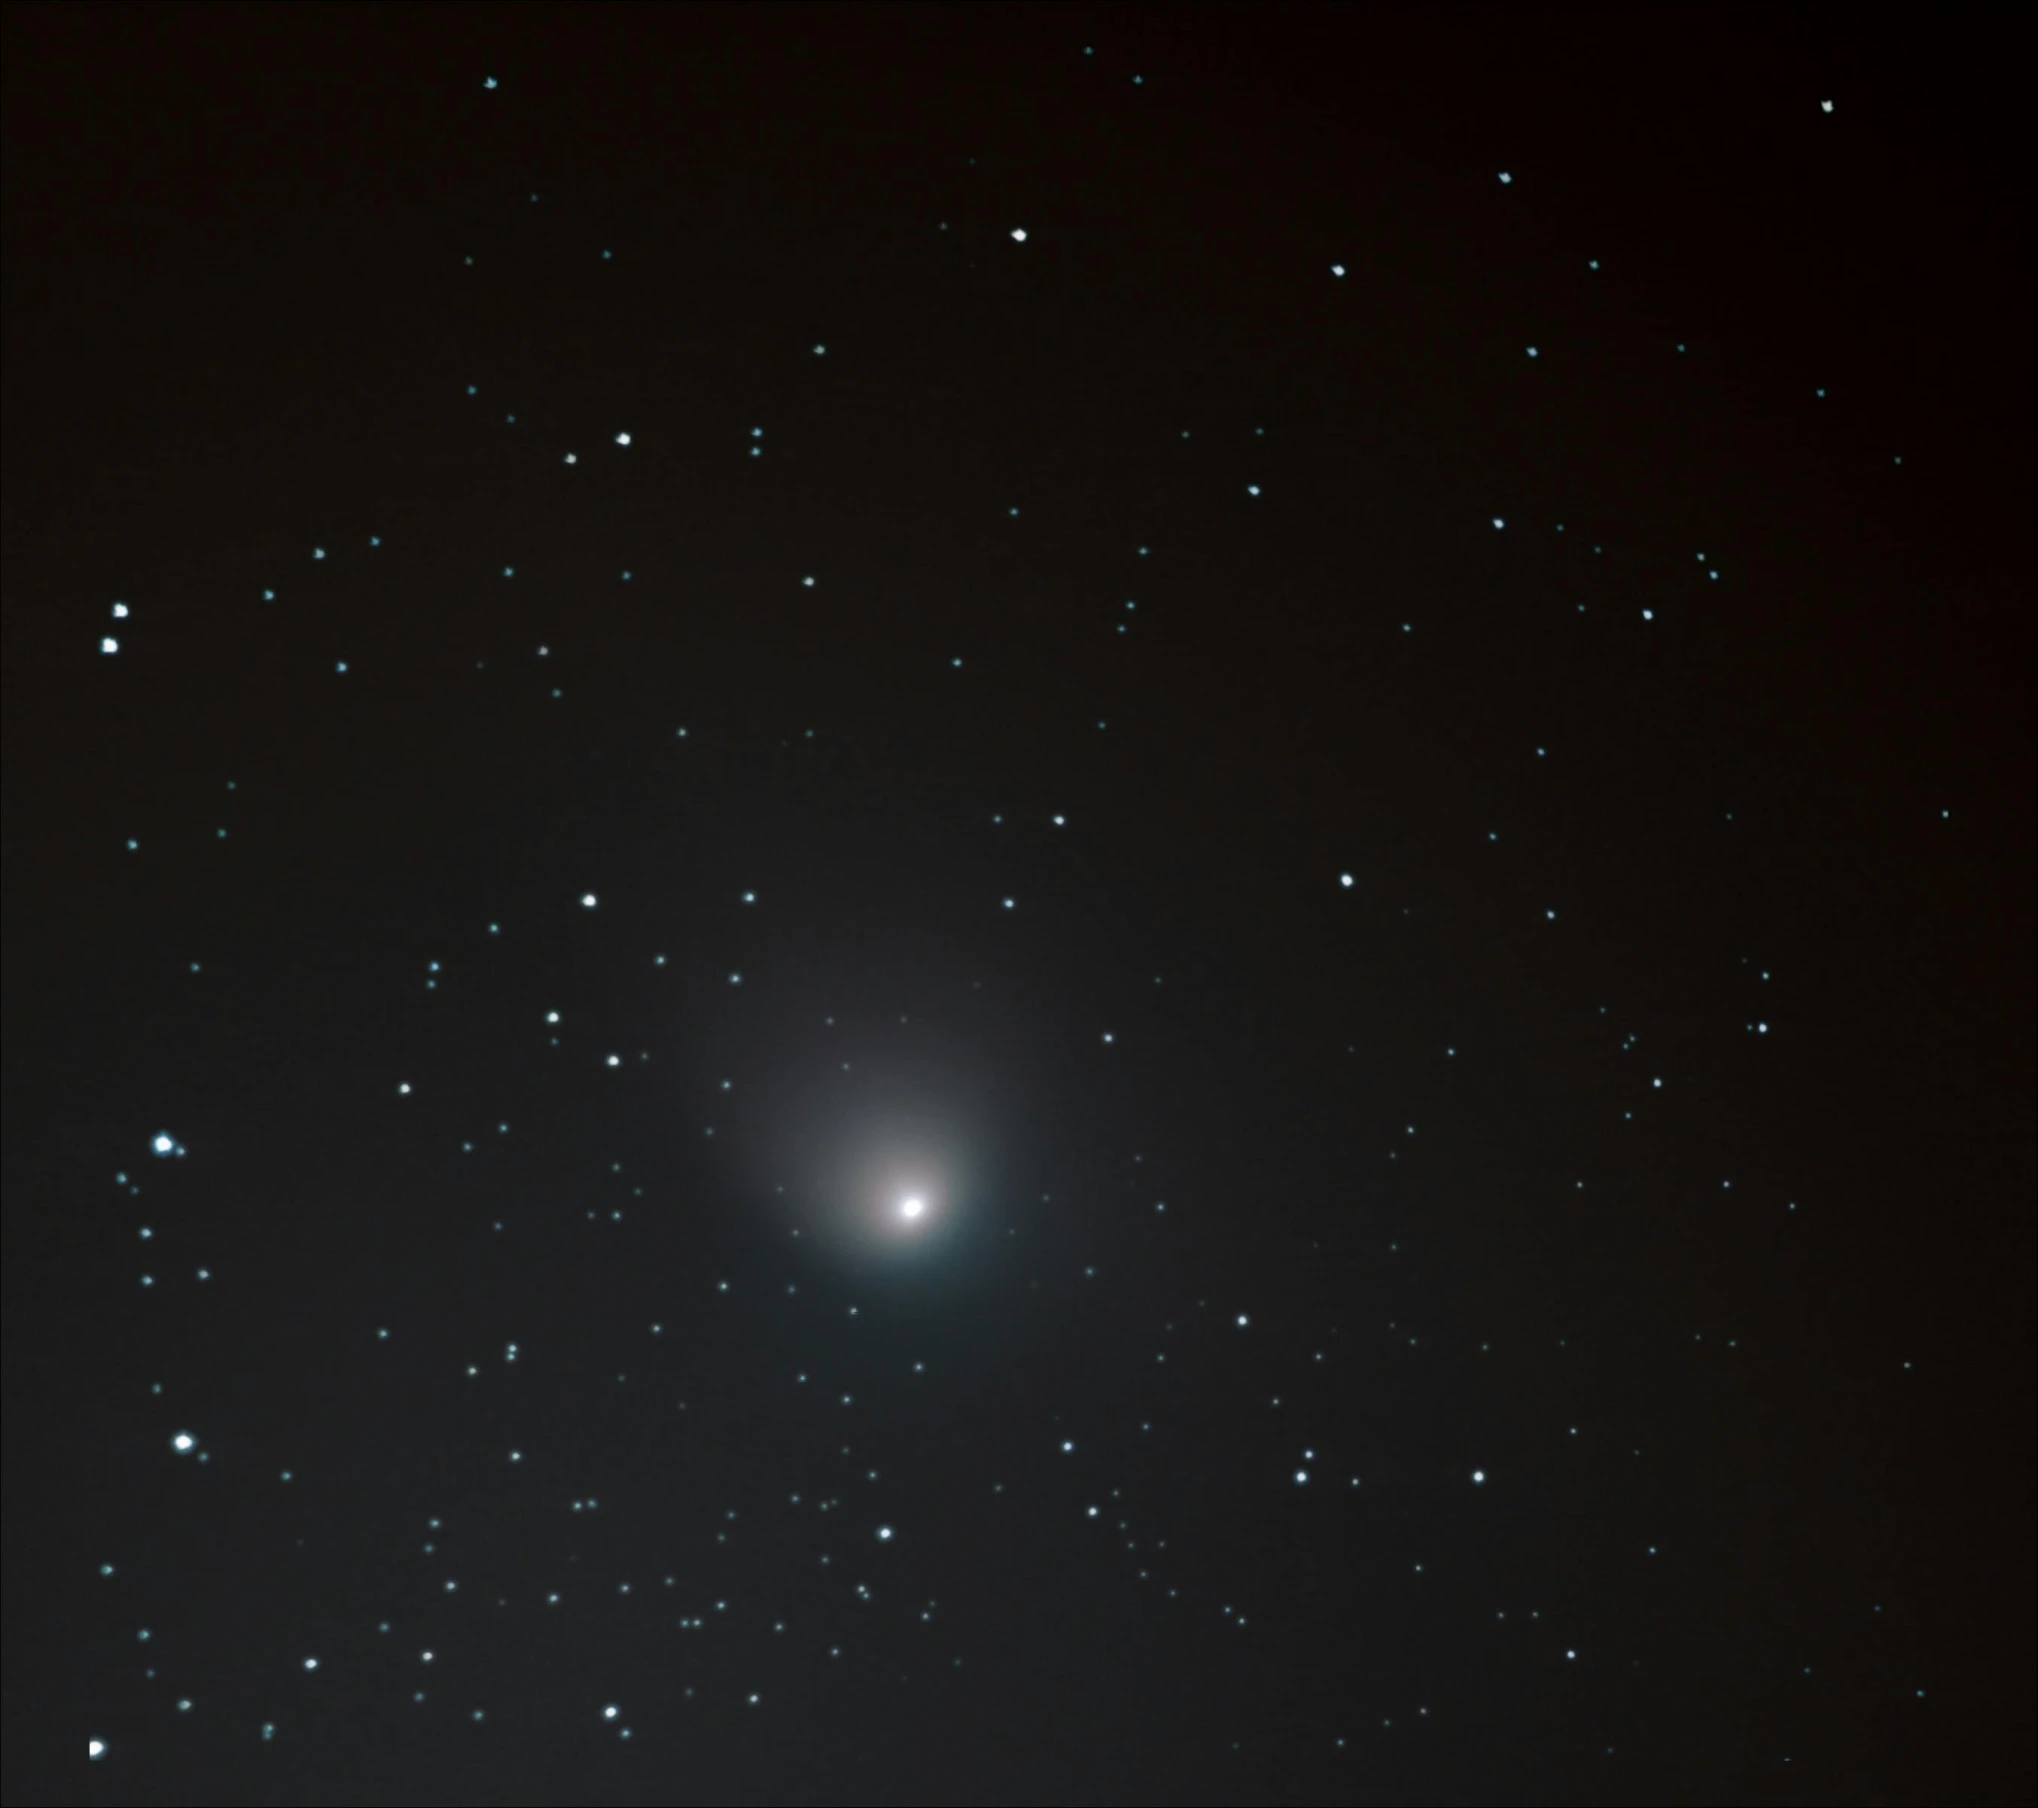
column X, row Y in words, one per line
column 884, row 1158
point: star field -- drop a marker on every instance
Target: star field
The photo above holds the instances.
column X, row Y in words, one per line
column 1015, row 905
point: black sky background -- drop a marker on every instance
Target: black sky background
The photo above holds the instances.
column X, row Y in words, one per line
column 1745, row 1359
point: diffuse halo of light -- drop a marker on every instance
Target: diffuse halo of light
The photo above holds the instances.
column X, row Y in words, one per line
column 884, row 1158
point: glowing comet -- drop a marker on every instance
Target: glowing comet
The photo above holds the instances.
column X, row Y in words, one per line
column 886, row 1162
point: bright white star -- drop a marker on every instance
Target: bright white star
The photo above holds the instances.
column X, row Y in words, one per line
column 912, row 1207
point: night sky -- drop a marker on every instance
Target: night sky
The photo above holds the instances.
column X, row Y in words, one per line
column 1025, row 905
